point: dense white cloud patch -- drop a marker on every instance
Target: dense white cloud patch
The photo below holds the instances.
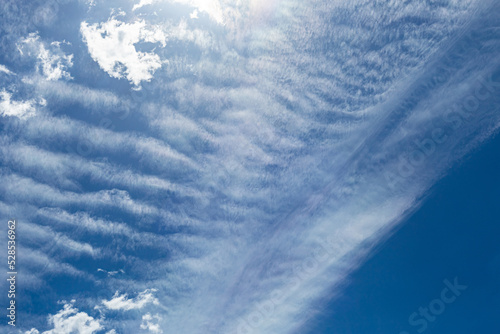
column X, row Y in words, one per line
column 52, row 62
column 112, row 45
column 150, row 323
column 20, row 109
column 122, row 302
column 70, row 320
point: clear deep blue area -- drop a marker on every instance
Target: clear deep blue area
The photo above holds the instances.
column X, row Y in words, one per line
column 454, row 234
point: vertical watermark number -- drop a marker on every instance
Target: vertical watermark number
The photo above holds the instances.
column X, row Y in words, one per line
column 11, row 272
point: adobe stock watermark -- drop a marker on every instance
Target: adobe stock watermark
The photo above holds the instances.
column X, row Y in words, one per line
column 456, row 117
column 424, row 315
column 11, row 272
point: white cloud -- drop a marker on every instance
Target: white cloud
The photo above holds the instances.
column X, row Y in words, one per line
column 91, row 3
column 111, row 273
column 34, row 191
column 122, row 302
column 20, row 109
column 52, row 62
column 112, row 45
column 40, row 263
column 64, row 91
column 214, row 8
column 222, row 12
column 32, row 331
column 69, row 320
column 150, row 323
column 102, row 227
column 66, row 246
column 5, row 70
column 148, row 149
column 194, row 14
column 142, row 3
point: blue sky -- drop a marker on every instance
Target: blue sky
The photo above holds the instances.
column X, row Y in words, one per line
column 453, row 235
column 221, row 166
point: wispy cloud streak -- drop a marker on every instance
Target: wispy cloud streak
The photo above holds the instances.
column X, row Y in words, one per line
column 254, row 170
